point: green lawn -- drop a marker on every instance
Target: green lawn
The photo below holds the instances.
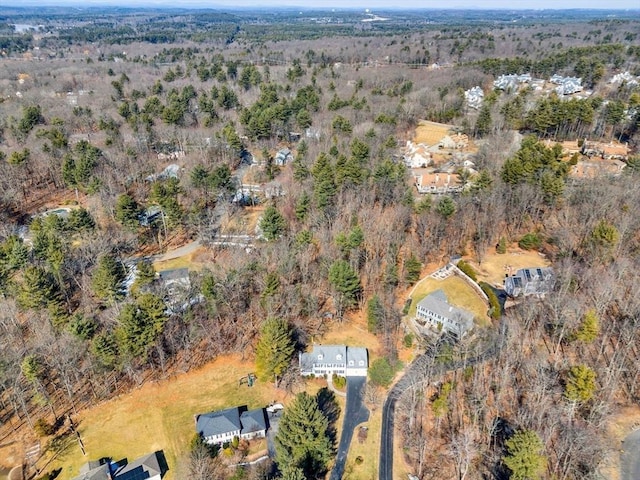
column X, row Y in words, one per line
column 459, row 293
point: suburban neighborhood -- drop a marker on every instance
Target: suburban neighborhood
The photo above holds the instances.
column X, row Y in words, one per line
column 319, row 243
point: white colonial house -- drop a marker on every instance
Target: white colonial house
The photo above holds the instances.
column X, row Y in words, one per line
column 339, row 359
column 436, row 312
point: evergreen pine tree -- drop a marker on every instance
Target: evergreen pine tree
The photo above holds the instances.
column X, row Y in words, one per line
column 272, row 223
column 346, row 284
column 524, row 458
column 589, row 328
column 107, row 278
column 581, row 384
column 303, row 440
column 412, row 269
column 274, row 349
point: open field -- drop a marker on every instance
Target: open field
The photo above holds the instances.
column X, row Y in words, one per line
column 431, row 133
column 160, row 415
column 495, row 266
column 195, row 260
column 458, row 292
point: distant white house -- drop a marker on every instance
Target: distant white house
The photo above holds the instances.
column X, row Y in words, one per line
column 436, row 312
column 474, row 97
column 566, row 85
column 339, row 359
column 511, row 82
column 417, row 155
column 626, row 78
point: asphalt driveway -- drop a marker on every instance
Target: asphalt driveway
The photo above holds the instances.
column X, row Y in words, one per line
column 631, row 457
column 355, row 414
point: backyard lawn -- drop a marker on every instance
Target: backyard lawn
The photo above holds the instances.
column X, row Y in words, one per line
column 160, row 415
column 459, row 293
column 494, row 266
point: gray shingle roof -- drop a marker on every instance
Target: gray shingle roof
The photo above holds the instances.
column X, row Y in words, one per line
column 436, row 302
column 220, row 422
column 253, row 421
column 357, row 355
column 231, row 420
column 92, row 472
column 141, row 468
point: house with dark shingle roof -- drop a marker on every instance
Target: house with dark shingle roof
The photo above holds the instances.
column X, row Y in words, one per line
column 435, row 311
column 150, row 467
column 222, row 426
column 530, row 281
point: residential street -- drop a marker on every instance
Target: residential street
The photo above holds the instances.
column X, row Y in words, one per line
column 355, row 414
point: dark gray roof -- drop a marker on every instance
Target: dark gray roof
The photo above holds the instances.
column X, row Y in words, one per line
column 142, row 468
column 174, row 274
column 91, row 471
column 220, row 422
column 530, row 281
column 253, row 421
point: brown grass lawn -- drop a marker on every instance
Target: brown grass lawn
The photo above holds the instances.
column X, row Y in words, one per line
column 193, row 261
column 495, row 266
column 160, row 415
column 243, row 222
column 431, row 133
column 458, row 292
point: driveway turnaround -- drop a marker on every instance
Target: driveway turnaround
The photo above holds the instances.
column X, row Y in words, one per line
column 355, row 414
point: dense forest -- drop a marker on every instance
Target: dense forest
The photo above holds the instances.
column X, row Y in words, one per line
column 95, row 106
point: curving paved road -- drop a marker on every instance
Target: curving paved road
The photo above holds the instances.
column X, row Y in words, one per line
column 423, row 368
column 355, row 413
column 631, row 457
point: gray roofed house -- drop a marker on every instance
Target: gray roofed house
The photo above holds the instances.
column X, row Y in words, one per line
column 435, row 311
column 152, row 466
column 283, row 156
column 95, row 470
column 222, row 426
column 530, row 281
column 334, row 359
column 176, row 277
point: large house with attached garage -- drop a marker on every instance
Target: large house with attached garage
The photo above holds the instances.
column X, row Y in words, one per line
column 150, row 467
column 530, row 281
column 436, row 312
column 339, row 359
column 222, row 426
